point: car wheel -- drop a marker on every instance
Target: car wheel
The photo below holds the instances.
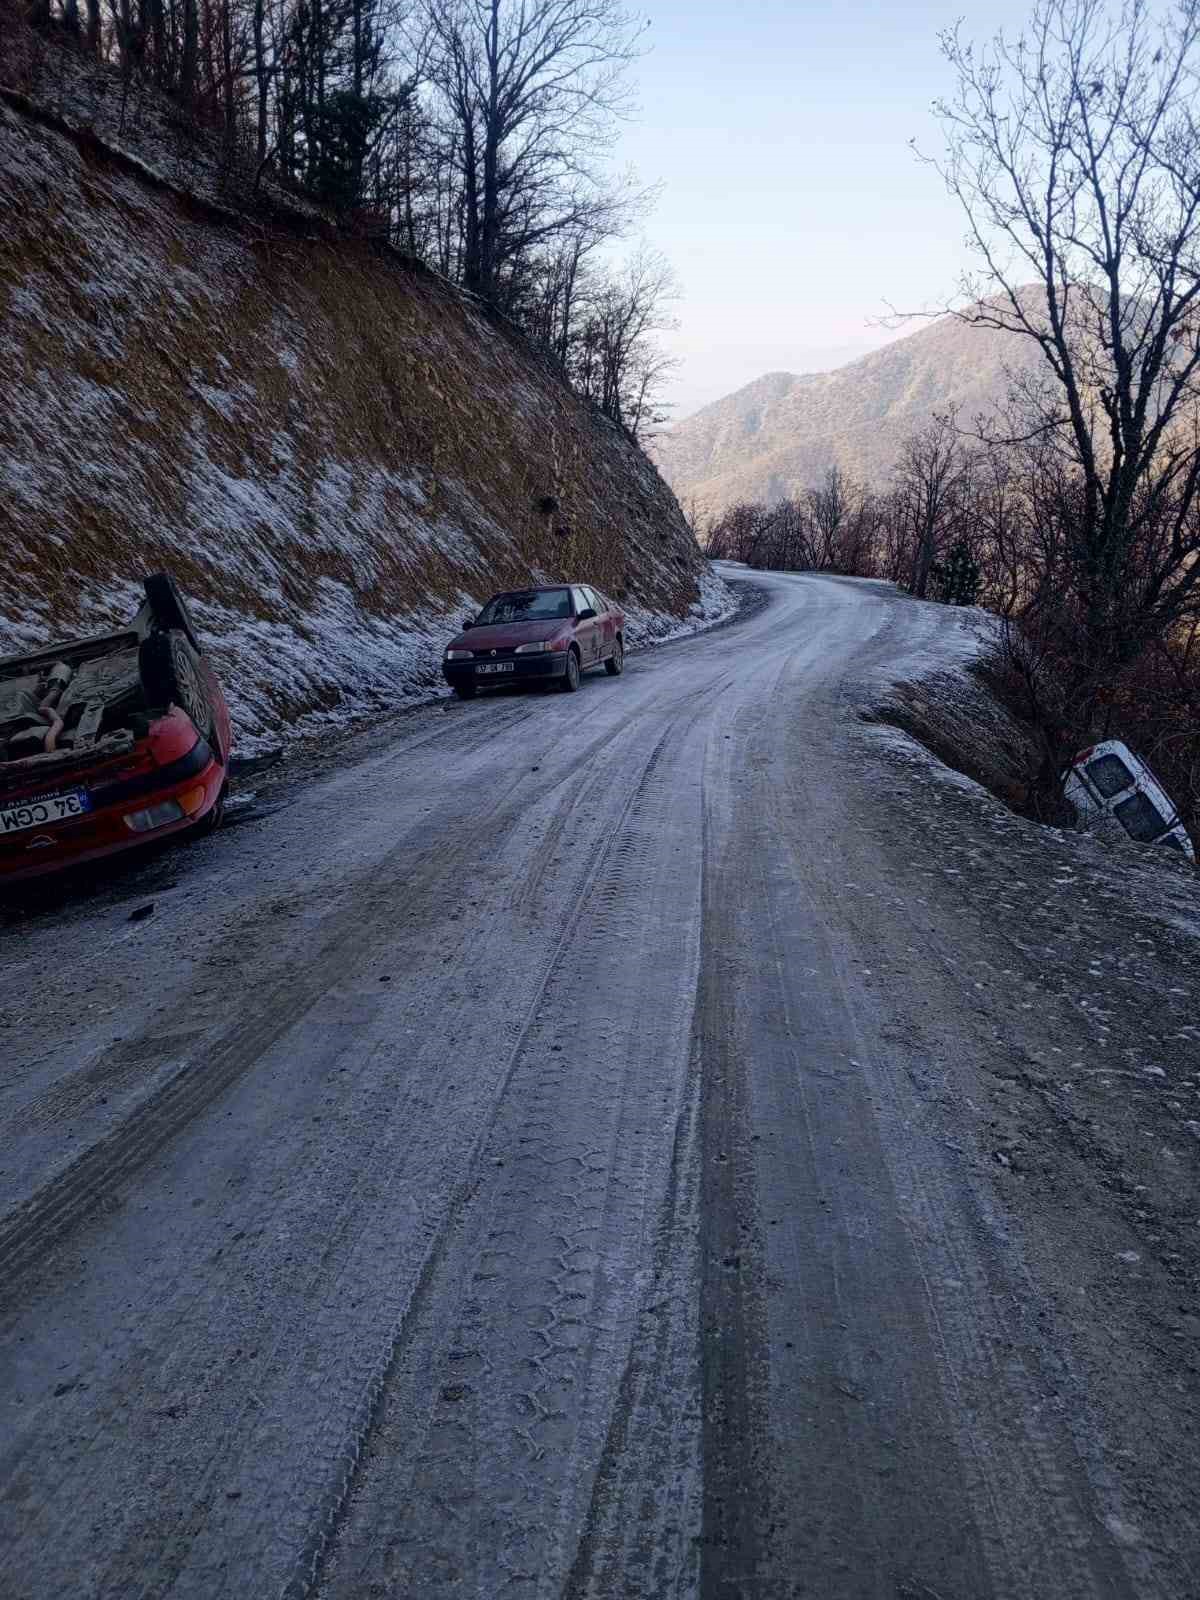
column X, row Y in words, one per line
column 615, row 665
column 170, row 673
column 465, row 691
column 570, row 678
column 169, row 607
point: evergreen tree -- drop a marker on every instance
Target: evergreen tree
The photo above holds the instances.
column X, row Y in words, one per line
column 955, row 581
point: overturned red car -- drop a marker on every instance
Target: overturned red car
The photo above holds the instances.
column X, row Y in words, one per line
column 110, row 742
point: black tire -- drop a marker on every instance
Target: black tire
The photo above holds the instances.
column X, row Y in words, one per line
column 465, row 691
column 170, row 672
column 169, row 607
column 570, row 678
column 615, row 665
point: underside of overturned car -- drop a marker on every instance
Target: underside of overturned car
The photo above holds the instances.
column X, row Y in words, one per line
column 110, row 741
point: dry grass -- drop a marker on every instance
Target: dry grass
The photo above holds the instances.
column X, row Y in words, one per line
column 269, row 414
column 965, row 721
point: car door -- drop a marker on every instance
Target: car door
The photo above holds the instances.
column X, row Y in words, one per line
column 586, row 633
column 604, row 627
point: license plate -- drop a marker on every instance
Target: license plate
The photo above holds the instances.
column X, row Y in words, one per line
column 48, row 808
column 496, row 666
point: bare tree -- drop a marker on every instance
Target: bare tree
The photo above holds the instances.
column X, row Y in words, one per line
column 471, row 133
column 1074, row 150
column 616, row 359
column 928, row 477
column 534, row 87
column 828, row 506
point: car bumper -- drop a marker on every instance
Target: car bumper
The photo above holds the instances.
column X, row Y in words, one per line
column 525, row 669
column 194, row 782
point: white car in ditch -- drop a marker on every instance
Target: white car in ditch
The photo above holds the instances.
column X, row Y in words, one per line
column 1108, row 780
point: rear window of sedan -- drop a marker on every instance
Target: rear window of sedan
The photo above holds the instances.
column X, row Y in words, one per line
column 1110, row 775
column 1140, row 818
column 527, row 605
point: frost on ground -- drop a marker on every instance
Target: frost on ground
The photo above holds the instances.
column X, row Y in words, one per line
column 934, row 693
column 1102, row 933
column 716, row 603
column 1076, row 963
column 336, row 455
column 346, row 668
column 146, row 128
column 933, row 709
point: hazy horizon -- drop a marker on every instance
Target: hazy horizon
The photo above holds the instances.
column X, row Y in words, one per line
column 812, row 363
column 793, row 210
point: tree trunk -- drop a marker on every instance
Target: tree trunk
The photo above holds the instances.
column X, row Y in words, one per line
column 191, row 52
column 261, row 82
column 490, row 221
column 924, row 558
column 155, row 26
column 320, row 65
column 472, row 241
column 227, row 98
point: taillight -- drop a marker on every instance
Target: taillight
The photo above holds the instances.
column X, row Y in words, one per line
column 154, row 816
column 191, row 800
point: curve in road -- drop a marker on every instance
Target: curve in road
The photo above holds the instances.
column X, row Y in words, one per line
column 511, row 1169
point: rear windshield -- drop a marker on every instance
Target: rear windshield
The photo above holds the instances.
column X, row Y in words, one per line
column 1110, row 775
column 527, row 605
column 1141, row 818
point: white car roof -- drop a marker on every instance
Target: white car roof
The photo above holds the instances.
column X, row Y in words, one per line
column 1142, row 776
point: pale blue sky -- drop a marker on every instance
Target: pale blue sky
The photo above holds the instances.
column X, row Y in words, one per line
column 792, row 207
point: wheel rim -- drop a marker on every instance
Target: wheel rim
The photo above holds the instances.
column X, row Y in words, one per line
column 191, row 693
column 572, row 671
column 619, row 655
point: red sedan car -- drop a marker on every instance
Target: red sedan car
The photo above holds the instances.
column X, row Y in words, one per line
column 111, row 741
column 553, row 634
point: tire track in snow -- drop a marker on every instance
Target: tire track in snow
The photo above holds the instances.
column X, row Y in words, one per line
column 94, row 1178
column 322, row 1533
column 541, row 1267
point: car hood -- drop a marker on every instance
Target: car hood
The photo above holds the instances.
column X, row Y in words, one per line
column 506, row 635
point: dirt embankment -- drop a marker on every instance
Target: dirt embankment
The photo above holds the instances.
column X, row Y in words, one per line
column 333, row 450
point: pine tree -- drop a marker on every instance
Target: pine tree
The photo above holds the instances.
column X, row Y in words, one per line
column 955, row 581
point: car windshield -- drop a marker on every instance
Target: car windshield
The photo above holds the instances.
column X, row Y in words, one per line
column 526, row 605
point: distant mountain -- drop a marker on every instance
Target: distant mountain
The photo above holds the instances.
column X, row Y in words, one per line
column 780, row 433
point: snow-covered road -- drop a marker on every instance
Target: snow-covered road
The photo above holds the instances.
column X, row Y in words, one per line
column 548, row 1157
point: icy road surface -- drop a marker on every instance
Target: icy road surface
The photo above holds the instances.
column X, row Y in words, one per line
column 556, row 1155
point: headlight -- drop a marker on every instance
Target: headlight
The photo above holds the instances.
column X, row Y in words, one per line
column 459, row 655
column 534, row 649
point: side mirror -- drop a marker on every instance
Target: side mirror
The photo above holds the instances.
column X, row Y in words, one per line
column 585, row 615
column 467, row 624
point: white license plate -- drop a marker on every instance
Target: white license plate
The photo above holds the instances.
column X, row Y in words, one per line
column 49, row 808
column 496, row 666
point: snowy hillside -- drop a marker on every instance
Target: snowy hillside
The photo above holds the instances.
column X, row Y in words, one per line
column 334, row 452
